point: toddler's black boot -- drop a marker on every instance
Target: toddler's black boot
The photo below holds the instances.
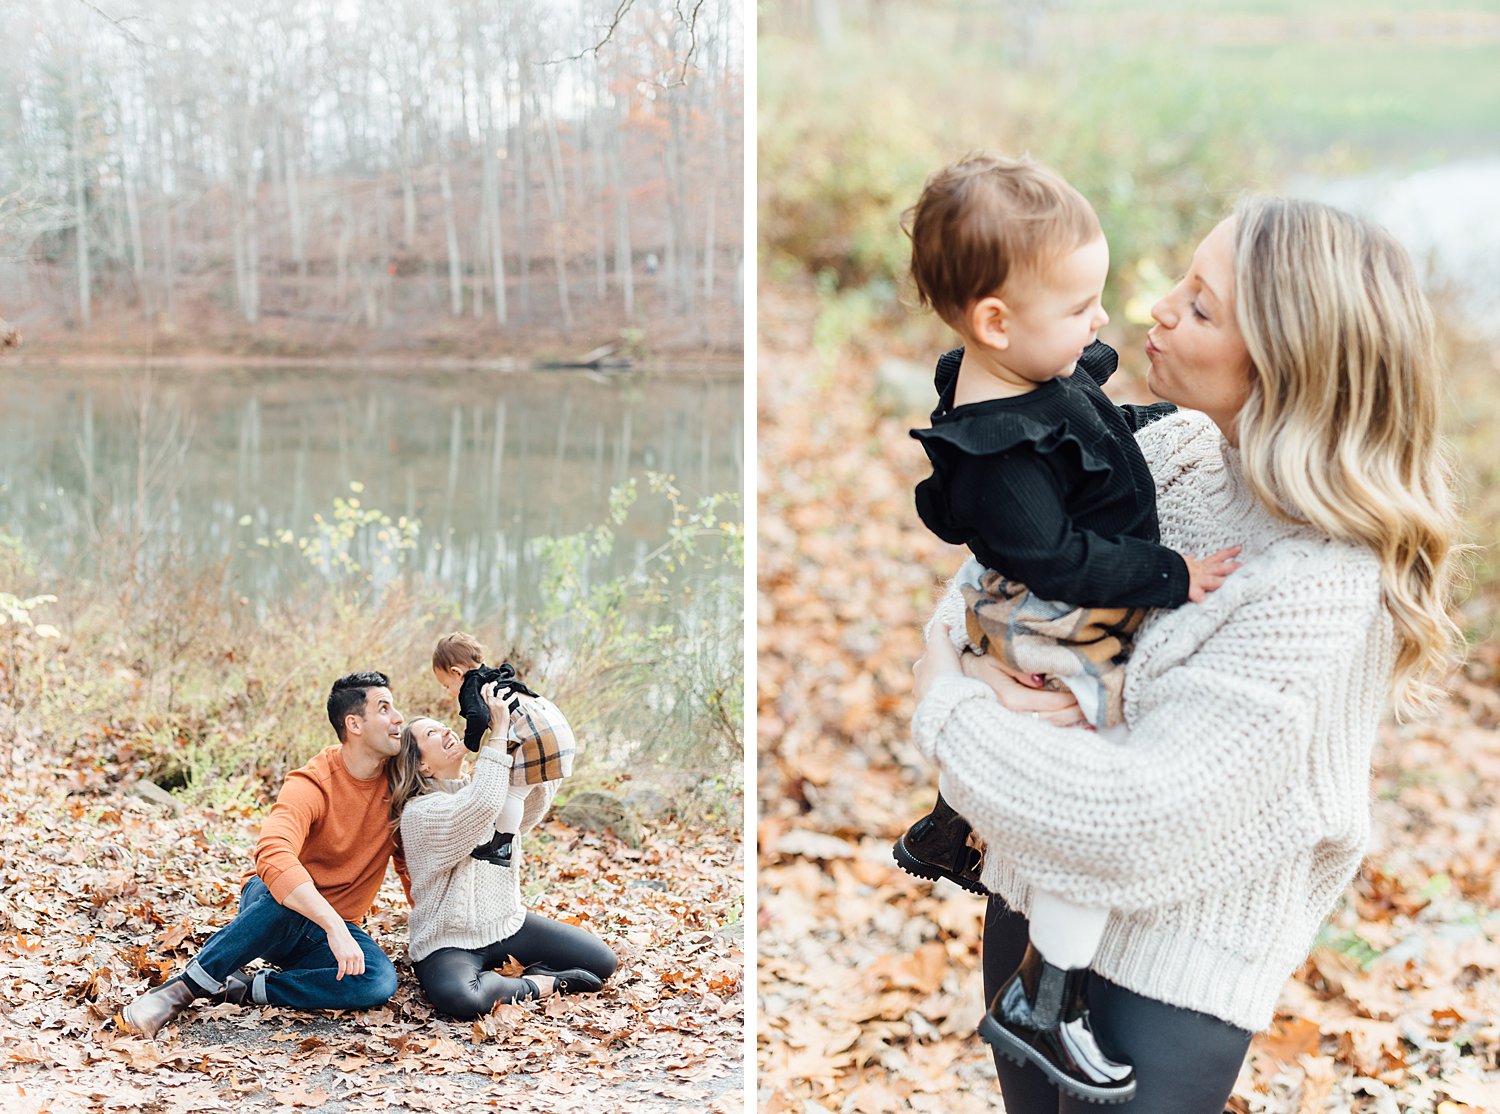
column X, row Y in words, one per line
column 942, row 845
column 1039, row 1017
column 498, row 850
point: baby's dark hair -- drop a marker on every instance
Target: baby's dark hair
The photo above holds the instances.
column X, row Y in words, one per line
column 458, row 648
column 985, row 217
column 349, row 694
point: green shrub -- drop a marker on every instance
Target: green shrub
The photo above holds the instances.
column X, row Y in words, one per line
column 169, row 674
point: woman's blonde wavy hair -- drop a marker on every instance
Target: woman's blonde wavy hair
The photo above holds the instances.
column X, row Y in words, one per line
column 403, row 772
column 1340, row 430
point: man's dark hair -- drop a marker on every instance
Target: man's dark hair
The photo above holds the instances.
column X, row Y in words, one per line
column 349, row 694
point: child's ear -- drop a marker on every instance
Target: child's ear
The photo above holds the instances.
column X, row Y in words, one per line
column 989, row 322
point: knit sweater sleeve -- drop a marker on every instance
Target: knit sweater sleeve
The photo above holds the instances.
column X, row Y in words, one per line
column 1139, row 417
column 300, row 805
column 949, row 615
column 1173, row 443
column 1216, row 775
column 440, row 829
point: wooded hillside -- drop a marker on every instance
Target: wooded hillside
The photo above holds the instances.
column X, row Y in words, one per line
column 449, row 176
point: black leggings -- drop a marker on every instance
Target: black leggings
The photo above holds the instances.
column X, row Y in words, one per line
column 462, row 982
column 1185, row 1062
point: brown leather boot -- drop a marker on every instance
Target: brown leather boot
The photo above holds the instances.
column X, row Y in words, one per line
column 156, row 1008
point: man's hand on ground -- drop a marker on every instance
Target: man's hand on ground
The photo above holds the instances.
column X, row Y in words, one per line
column 350, row 957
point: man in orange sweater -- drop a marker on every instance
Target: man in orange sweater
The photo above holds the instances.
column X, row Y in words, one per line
column 319, row 862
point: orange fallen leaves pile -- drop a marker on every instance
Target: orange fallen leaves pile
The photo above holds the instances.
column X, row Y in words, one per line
column 103, row 894
column 869, row 982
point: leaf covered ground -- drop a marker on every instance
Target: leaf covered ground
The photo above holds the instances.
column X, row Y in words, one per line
column 869, row 985
column 104, row 893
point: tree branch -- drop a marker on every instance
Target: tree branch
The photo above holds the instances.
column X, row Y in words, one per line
column 692, row 26
column 620, row 13
column 118, row 23
column 689, row 20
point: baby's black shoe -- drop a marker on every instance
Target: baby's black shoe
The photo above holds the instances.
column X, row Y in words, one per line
column 942, row 845
column 498, row 850
column 1039, row 1017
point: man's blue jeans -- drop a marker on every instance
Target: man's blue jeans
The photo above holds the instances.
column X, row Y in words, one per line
column 266, row 929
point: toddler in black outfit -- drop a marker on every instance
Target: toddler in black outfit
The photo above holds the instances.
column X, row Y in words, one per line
column 458, row 665
column 1039, row 474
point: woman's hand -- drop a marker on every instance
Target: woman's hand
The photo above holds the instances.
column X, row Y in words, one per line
column 1024, row 694
column 1015, row 692
column 500, row 712
column 499, row 709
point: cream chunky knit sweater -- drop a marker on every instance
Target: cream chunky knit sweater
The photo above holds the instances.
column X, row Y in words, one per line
column 458, row 901
column 1223, row 828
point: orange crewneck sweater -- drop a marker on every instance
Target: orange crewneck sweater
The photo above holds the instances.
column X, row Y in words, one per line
column 329, row 828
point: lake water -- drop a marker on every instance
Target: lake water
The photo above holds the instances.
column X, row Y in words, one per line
column 1445, row 216
column 207, row 462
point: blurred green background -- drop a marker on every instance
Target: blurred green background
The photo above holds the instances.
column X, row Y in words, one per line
column 1161, row 118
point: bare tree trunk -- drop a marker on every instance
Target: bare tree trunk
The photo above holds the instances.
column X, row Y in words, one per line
column 523, row 190
column 382, row 281
column 624, row 270
column 81, row 202
column 556, row 200
column 484, row 244
column 718, row 171
column 600, row 205
column 710, row 220
column 491, row 201
column 679, row 280
column 173, row 238
column 164, row 215
column 237, row 234
column 345, row 244
column 251, row 291
column 455, row 262
column 296, row 226
column 408, row 181
column 166, row 244
column 408, row 206
column 829, row 24
column 137, row 246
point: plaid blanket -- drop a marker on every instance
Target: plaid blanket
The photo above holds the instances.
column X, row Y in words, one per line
column 1080, row 648
column 541, row 740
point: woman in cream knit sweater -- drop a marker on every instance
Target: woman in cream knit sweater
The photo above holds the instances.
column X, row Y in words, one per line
column 1224, row 828
column 467, row 916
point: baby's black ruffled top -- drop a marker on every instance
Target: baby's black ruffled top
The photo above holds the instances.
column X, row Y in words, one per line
column 1050, row 488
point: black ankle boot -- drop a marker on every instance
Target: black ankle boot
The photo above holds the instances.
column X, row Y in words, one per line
column 942, row 845
column 236, row 988
column 572, row 980
column 1039, row 1017
column 497, row 850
